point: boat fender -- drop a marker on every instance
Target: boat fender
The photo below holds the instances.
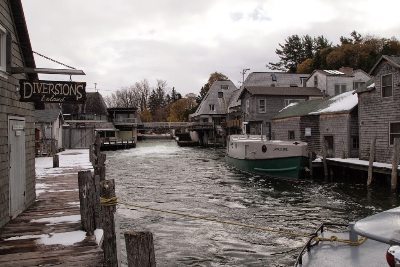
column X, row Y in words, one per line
column 264, row 148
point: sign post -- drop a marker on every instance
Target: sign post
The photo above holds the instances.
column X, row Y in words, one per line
column 52, row 91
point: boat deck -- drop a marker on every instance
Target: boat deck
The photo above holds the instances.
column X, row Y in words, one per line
column 329, row 254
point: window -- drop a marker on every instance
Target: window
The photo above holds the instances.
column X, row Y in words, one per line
column 3, row 49
column 290, row 101
column 212, row 107
column 358, row 85
column 261, row 106
column 247, row 105
column 315, row 81
column 394, row 131
column 340, row 88
column 224, row 87
column 355, row 142
column 291, row 135
column 387, row 85
column 220, row 94
column 303, row 81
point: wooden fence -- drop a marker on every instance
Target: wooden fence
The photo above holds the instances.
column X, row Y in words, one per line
column 98, row 206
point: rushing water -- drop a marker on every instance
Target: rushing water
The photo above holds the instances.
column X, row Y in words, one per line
column 197, row 181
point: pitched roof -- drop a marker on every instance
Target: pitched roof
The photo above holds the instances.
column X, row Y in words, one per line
column 235, row 100
column 47, row 115
column 393, row 60
column 343, row 103
column 94, row 104
column 23, row 36
column 369, row 86
column 279, row 79
column 282, row 91
column 211, row 98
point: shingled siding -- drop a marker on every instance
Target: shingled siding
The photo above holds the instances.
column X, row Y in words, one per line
column 375, row 114
column 281, row 128
column 354, row 132
column 10, row 106
column 338, row 126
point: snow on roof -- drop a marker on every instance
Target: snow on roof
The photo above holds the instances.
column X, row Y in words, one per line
column 343, row 102
column 290, row 105
column 372, row 85
column 334, row 72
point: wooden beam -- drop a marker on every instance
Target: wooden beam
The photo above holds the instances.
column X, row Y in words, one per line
column 18, row 70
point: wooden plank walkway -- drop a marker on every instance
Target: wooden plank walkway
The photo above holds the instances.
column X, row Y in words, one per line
column 48, row 233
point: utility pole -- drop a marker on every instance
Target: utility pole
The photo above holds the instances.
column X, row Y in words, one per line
column 243, row 73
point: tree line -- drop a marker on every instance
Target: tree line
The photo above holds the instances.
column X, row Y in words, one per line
column 154, row 103
column 303, row 54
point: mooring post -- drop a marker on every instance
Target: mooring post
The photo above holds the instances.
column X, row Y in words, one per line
column 56, row 161
column 310, row 160
column 97, row 145
column 97, row 208
column 91, row 153
column 353, row 236
column 371, row 160
column 107, row 193
column 100, row 168
column 324, row 160
column 395, row 163
column 140, row 249
column 87, row 201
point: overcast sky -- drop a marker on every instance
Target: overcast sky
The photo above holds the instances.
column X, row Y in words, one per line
column 119, row 42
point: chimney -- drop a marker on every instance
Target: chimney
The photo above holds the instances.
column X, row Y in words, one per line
column 346, row 70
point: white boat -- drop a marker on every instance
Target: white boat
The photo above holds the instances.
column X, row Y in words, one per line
column 271, row 157
column 372, row 241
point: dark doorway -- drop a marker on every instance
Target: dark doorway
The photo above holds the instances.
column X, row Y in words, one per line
column 330, row 149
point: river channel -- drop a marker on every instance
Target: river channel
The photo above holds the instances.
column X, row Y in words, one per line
column 197, row 181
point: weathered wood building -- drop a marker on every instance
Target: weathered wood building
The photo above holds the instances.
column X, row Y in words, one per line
column 17, row 130
column 48, row 131
column 379, row 109
column 126, row 121
column 260, row 104
column 333, row 121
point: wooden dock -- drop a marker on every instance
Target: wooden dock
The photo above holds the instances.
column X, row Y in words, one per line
column 45, row 234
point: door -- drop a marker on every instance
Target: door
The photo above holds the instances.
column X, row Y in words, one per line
column 330, row 149
column 17, row 177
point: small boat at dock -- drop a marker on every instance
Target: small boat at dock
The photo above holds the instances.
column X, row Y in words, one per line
column 255, row 153
column 372, row 241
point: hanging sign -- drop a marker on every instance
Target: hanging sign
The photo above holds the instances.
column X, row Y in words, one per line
column 52, row 91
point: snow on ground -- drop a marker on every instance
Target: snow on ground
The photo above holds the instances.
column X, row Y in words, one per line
column 99, row 236
column 65, row 239
column 60, row 219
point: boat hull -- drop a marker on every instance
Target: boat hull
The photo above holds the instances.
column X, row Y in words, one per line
column 290, row 167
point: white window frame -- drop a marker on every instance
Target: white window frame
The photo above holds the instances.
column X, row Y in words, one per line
column 390, row 131
column 391, row 74
column 3, row 49
column 341, row 85
column 264, row 110
column 212, row 107
column 289, row 101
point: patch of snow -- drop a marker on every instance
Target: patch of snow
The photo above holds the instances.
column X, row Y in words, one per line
column 99, row 236
column 290, row 105
column 63, row 190
column 372, row 85
column 342, row 102
column 42, row 186
column 363, row 162
column 317, row 160
column 40, row 191
column 23, row 237
column 66, row 239
column 74, row 203
column 60, row 219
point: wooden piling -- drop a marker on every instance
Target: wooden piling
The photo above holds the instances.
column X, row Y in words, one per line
column 100, row 168
column 56, row 161
column 326, row 175
column 371, row 160
column 107, row 192
column 395, row 163
column 87, row 201
column 140, row 249
column 310, row 160
column 98, row 218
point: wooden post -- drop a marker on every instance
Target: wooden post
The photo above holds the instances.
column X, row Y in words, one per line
column 324, row 160
column 91, row 153
column 56, row 161
column 87, row 201
column 97, row 145
column 395, row 163
column 98, row 218
column 100, row 168
column 107, row 191
column 140, row 249
column 371, row 160
column 310, row 160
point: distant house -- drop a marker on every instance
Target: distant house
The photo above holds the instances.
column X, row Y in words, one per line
column 82, row 121
column 275, row 79
column 48, row 131
column 211, row 114
column 333, row 121
column 17, row 129
column 334, row 82
column 260, row 104
column 234, row 116
column 379, row 109
column 126, row 121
